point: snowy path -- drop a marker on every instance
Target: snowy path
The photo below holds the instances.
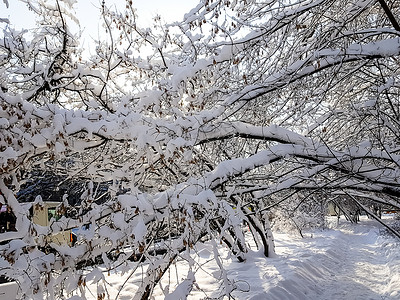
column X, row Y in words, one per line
column 352, row 262
column 357, row 266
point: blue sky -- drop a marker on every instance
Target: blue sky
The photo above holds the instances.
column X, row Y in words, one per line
column 170, row 10
column 88, row 15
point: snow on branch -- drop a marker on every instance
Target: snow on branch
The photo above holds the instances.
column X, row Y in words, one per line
column 131, row 157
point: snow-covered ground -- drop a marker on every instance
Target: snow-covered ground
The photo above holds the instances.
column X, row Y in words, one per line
column 343, row 262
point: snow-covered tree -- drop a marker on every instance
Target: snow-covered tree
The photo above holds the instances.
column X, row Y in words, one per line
column 195, row 128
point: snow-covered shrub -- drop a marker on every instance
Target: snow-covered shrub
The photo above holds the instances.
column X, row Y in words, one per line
column 299, row 214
